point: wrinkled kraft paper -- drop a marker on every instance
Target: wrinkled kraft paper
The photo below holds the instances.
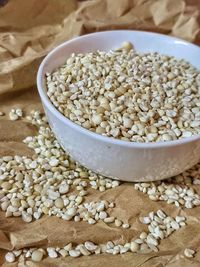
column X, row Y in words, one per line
column 28, row 31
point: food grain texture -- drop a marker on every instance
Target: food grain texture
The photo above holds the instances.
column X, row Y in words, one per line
column 159, row 226
column 128, row 95
column 31, row 187
column 189, row 253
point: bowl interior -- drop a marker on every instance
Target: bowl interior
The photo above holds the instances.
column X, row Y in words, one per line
column 142, row 41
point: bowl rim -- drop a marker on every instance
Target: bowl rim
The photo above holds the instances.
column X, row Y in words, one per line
column 109, row 140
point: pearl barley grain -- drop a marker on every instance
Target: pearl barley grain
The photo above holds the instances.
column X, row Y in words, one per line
column 127, row 45
column 10, row 257
column 52, row 253
column 134, row 246
column 15, row 114
column 74, row 253
column 189, row 253
column 37, row 255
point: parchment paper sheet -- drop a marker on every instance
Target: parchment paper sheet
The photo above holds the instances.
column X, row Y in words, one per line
column 28, row 31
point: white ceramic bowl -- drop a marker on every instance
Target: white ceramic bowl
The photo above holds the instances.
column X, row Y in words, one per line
column 114, row 158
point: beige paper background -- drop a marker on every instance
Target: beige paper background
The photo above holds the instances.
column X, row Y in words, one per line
column 28, row 31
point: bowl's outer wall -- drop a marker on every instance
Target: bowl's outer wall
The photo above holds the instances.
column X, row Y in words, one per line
column 115, row 160
column 125, row 163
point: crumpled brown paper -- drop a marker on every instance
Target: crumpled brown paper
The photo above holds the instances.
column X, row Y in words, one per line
column 28, row 31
